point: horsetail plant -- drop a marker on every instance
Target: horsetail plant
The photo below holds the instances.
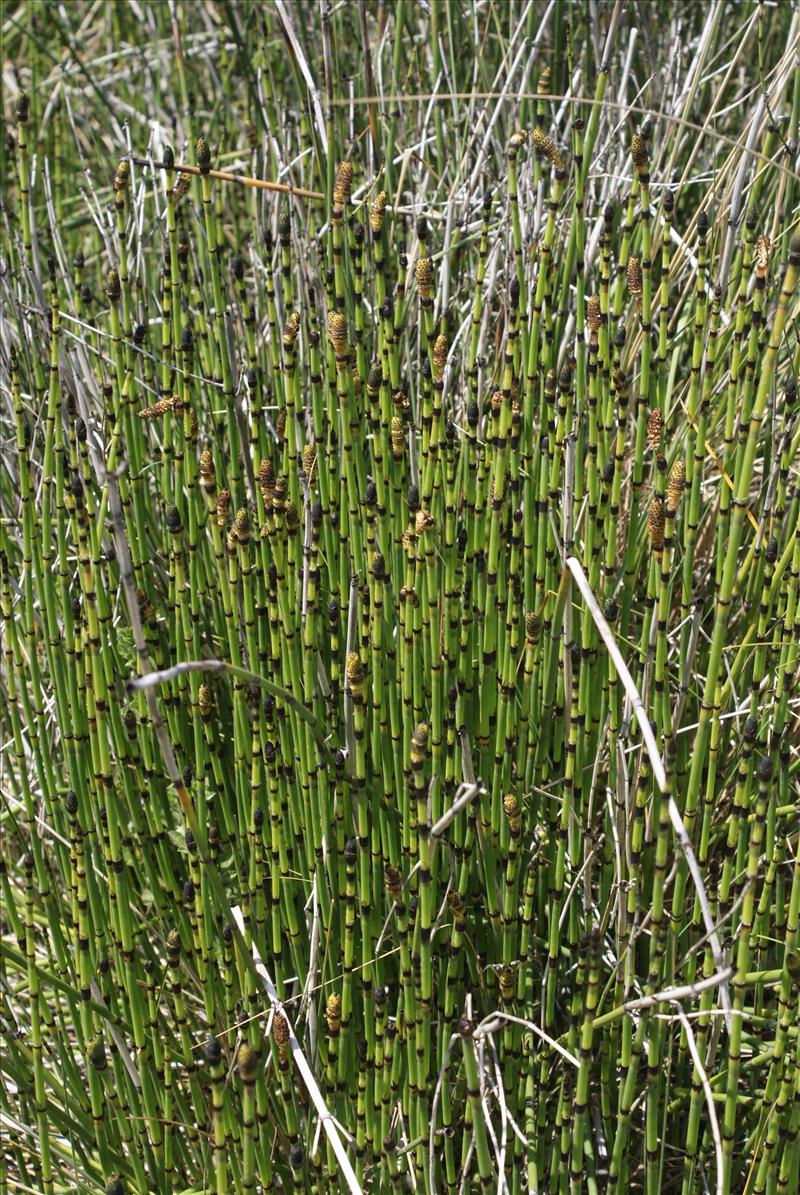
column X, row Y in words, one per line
column 399, row 570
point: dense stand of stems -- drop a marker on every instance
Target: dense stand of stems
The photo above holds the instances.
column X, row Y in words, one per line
column 288, row 490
